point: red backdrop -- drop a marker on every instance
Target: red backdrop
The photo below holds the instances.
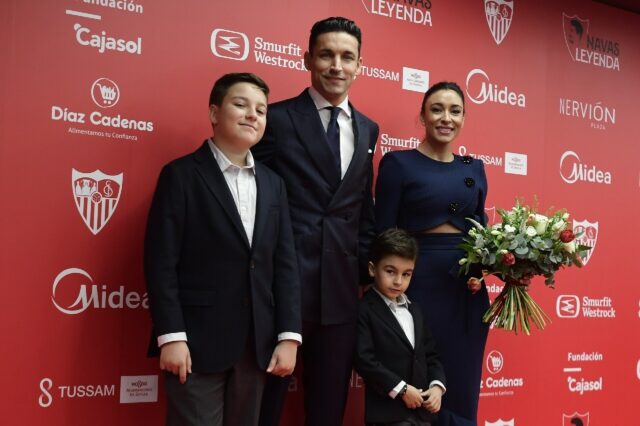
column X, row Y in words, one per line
column 98, row 95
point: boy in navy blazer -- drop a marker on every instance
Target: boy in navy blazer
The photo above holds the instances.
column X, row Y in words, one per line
column 221, row 270
column 396, row 354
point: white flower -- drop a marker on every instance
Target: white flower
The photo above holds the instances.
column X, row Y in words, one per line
column 497, row 226
column 495, row 232
column 541, row 223
column 462, row 261
column 565, row 216
column 503, row 251
column 509, row 228
column 569, row 247
column 559, row 226
column 531, row 231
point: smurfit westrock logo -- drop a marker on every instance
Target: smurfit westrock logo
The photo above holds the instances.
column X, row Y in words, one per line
column 229, row 44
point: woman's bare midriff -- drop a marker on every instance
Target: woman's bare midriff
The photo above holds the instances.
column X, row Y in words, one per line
column 445, row 228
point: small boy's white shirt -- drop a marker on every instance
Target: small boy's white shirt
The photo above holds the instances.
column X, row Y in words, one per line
column 400, row 310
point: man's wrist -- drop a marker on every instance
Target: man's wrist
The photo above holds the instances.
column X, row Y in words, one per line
column 403, row 390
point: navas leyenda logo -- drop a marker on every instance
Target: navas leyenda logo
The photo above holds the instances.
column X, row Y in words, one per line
column 229, row 44
column 575, row 419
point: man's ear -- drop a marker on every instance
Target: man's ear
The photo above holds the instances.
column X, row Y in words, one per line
column 213, row 114
column 372, row 269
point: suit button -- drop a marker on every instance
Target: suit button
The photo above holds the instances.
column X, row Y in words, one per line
column 453, row 207
column 252, row 265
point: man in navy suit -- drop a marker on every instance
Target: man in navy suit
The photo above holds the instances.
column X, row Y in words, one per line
column 322, row 147
column 220, row 266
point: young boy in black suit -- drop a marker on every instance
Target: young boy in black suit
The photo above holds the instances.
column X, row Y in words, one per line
column 396, row 354
column 221, row 270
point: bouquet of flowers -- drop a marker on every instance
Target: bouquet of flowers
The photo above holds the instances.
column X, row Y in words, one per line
column 523, row 245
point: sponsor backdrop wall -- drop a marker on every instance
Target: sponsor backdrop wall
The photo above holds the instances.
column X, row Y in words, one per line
column 97, row 95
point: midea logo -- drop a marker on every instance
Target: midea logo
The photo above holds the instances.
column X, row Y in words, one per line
column 95, row 296
column 582, row 172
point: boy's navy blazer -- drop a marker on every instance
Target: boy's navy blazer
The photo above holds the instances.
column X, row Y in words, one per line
column 332, row 219
column 203, row 276
column 384, row 357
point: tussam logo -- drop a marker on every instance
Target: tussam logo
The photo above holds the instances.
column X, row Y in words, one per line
column 494, row 362
column 96, row 195
column 573, row 170
column 499, row 15
column 48, row 391
column 76, row 295
column 229, row 44
column 481, row 90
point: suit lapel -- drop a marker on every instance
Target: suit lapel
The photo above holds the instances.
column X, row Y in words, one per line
column 306, row 120
column 262, row 201
column 380, row 308
column 214, row 180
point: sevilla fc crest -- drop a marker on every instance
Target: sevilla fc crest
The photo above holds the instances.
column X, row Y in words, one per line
column 500, row 422
column 96, row 195
column 589, row 236
column 575, row 33
column 499, row 14
column 575, row 419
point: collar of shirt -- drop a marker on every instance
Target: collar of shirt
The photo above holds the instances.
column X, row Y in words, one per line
column 224, row 163
column 401, row 301
column 321, row 103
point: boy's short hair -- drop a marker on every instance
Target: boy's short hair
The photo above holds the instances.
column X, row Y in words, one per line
column 394, row 242
column 222, row 85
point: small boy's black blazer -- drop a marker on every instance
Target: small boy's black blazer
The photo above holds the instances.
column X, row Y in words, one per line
column 384, row 357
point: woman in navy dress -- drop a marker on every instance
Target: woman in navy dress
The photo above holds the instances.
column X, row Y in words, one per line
column 430, row 192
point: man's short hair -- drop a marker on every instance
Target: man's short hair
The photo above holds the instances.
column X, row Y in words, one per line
column 331, row 25
column 394, row 242
column 224, row 83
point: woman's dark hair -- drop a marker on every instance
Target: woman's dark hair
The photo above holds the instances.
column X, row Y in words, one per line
column 442, row 85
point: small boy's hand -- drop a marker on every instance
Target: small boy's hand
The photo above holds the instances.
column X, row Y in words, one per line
column 283, row 360
column 412, row 398
column 175, row 358
column 432, row 399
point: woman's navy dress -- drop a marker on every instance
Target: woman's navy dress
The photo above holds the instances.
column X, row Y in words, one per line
column 417, row 193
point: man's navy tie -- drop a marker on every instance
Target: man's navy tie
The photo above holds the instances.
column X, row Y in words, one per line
column 333, row 136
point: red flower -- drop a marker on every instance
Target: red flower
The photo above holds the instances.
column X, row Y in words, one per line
column 474, row 285
column 567, row 236
column 508, row 259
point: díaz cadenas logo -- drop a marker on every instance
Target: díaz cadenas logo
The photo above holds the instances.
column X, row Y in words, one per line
column 229, row 44
column 499, row 15
column 105, row 93
column 588, row 237
column 96, row 195
column 575, row 419
column 568, row 306
column 494, row 362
